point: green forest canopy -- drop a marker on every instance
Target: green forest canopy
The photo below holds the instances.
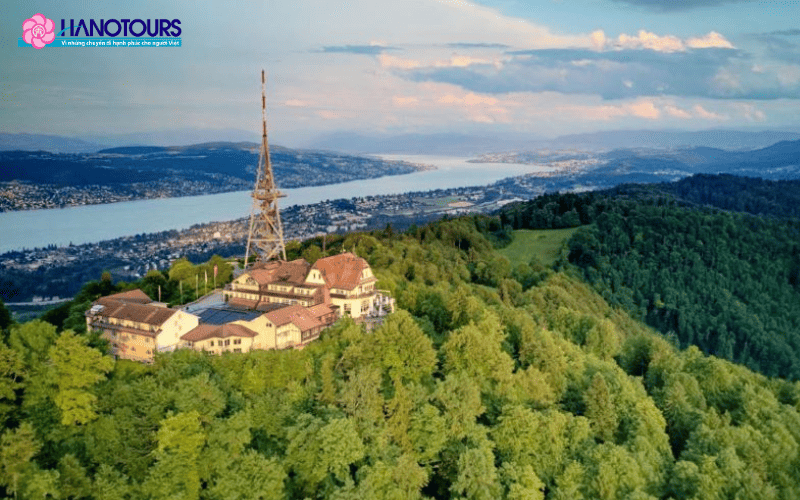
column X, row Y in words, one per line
column 726, row 282
column 492, row 381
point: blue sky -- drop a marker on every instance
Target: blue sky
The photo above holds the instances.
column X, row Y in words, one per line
column 544, row 67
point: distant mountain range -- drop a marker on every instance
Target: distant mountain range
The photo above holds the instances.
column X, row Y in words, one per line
column 721, row 139
column 431, row 144
column 211, row 162
column 94, row 143
column 446, row 144
column 50, row 143
column 778, row 161
column 477, row 144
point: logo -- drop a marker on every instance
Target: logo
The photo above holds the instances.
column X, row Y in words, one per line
column 38, row 31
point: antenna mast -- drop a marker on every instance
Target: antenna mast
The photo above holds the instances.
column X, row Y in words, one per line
column 265, row 238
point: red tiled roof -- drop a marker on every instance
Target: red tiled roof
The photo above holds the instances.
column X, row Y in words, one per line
column 342, row 271
column 136, row 296
column 296, row 314
column 140, row 313
column 276, row 271
column 205, row 331
column 320, row 310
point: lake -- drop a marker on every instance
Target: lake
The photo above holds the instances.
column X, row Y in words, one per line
column 92, row 223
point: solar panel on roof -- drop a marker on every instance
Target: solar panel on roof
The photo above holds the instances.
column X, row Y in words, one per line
column 215, row 316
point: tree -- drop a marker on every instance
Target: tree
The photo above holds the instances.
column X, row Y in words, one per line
column 312, row 254
column 250, row 476
column 406, row 353
column 319, row 450
column 176, row 472
column 600, row 408
column 522, row 483
column 12, row 372
column 32, row 340
column 200, row 394
column 17, row 448
column 477, row 351
column 402, row 480
column 477, row 477
column 77, row 368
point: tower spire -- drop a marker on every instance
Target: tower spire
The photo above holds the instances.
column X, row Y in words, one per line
column 265, row 238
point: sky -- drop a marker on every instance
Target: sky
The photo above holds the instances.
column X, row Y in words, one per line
column 538, row 67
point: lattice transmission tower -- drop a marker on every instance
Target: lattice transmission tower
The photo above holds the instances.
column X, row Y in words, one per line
column 265, row 238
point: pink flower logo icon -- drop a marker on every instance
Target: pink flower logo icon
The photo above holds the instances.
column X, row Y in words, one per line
column 38, row 31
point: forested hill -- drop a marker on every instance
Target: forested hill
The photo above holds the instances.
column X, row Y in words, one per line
column 127, row 165
column 489, row 383
column 726, row 282
column 729, row 192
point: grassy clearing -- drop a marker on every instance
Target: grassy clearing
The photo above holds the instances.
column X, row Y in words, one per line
column 544, row 244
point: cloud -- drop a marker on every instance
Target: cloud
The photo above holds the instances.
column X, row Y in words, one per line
column 477, row 45
column 365, row 50
column 676, row 112
column 296, row 103
column 470, row 99
column 750, row 113
column 789, row 76
column 614, row 74
column 791, row 32
column 651, row 41
column 387, row 61
column 647, row 40
column 644, row 109
column 711, row 40
column 701, row 112
column 678, row 5
column 404, row 101
column 328, row 115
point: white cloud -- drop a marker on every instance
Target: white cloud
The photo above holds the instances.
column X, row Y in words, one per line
column 789, row 76
column 296, row 103
column 651, row 41
column 701, row 112
column 404, row 101
column 710, row 40
column 750, row 112
column 647, row 40
column 387, row 61
column 643, row 109
column 677, row 112
column 470, row 99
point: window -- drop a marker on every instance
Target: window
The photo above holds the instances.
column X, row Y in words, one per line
column 148, row 352
column 237, row 341
column 211, row 344
column 237, row 350
column 228, row 342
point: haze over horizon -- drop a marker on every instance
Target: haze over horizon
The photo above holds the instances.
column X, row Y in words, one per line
column 544, row 68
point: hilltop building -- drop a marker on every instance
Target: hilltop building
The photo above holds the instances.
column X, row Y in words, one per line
column 288, row 327
column 136, row 326
column 343, row 282
column 276, row 305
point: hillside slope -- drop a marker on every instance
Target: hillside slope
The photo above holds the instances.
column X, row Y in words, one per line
column 480, row 387
column 726, row 282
